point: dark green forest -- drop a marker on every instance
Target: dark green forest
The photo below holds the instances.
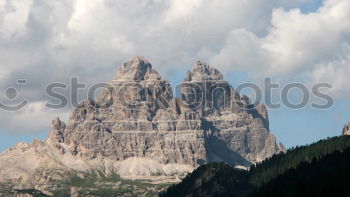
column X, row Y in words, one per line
column 319, row 169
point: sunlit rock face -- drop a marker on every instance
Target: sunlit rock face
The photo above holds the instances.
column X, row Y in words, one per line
column 136, row 127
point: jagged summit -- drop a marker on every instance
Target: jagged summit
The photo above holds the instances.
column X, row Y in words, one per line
column 203, row 72
column 136, row 69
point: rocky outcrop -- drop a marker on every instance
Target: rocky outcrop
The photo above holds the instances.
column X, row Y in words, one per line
column 346, row 129
column 136, row 127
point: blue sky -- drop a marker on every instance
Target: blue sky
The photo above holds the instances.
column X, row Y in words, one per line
column 304, row 41
column 311, row 6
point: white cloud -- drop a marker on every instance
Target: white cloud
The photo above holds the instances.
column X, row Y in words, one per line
column 52, row 40
column 181, row 9
column 296, row 44
column 242, row 51
column 13, row 18
column 335, row 73
column 299, row 41
column 33, row 117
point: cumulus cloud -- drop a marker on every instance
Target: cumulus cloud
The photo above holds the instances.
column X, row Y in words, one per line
column 14, row 16
column 181, row 8
column 296, row 44
column 335, row 73
column 34, row 117
column 52, row 40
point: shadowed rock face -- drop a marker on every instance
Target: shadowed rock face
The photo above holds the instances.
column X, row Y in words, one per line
column 136, row 121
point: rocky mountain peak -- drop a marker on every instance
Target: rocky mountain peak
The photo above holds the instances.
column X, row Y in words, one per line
column 346, row 130
column 203, row 72
column 139, row 129
column 136, row 69
column 57, row 124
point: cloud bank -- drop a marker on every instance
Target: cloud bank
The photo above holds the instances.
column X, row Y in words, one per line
column 52, row 40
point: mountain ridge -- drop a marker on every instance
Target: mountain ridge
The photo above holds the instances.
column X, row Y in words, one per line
column 137, row 128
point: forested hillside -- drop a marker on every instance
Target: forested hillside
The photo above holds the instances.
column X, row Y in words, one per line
column 319, row 169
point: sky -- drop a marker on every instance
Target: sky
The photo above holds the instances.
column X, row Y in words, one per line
column 45, row 41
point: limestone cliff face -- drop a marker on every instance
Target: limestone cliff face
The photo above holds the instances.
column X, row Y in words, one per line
column 138, row 116
column 136, row 121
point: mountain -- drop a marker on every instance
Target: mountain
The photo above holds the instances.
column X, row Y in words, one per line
column 320, row 169
column 346, row 130
column 136, row 128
